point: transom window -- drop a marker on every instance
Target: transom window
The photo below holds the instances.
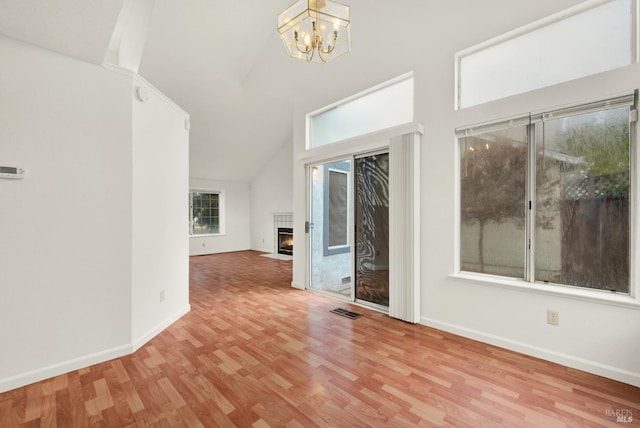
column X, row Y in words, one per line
column 547, row 197
column 590, row 38
column 384, row 106
column 204, row 213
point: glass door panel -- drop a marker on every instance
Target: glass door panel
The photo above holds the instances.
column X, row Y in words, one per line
column 329, row 228
column 372, row 229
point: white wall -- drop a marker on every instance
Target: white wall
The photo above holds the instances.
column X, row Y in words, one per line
column 596, row 336
column 65, row 252
column 237, row 212
column 79, row 260
column 160, row 187
column 271, row 192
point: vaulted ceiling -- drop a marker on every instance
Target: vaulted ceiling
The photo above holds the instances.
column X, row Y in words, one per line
column 223, row 62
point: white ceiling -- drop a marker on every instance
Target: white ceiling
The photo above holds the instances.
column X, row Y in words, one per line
column 81, row 29
column 223, row 62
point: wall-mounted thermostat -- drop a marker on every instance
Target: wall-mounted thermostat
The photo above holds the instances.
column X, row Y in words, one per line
column 11, row 172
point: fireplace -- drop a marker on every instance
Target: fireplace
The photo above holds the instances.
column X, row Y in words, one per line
column 285, row 240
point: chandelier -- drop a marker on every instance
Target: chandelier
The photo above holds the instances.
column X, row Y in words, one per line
column 315, row 30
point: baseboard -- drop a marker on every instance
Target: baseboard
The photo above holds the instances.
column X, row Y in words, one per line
column 262, row 250
column 208, row 252
column 534, row 351
column 38, row 375
column 159, row 328
column 48, row 372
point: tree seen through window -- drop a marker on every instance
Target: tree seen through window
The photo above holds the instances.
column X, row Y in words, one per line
column 574, row 229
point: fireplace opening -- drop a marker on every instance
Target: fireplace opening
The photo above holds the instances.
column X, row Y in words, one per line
column 285, row 240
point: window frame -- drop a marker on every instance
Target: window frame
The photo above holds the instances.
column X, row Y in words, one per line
column 342, row 167
column 529, row 283
column 221, row 222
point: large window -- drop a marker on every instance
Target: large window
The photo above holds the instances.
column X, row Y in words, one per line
column 204, row 213
column 591, row 38
column 546, row 197
column 492, row 191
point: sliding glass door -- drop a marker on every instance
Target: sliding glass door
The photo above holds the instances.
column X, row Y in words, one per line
column 349, row 210
column 330, row 228
column 372, row 229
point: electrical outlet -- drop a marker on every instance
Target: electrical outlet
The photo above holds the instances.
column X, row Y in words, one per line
column 162, row 296
column 553, row 317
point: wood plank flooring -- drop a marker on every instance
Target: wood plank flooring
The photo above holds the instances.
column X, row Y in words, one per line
column 254, row 352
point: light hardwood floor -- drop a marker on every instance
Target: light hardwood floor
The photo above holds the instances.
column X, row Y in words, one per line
column 255, row 352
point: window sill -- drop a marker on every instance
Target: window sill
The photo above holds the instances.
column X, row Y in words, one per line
column 596, row 296
column 209, row 235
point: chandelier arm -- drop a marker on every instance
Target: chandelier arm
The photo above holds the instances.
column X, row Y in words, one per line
column 320, row 52
column 306, row 47
column 330, row 48
column 304, row 51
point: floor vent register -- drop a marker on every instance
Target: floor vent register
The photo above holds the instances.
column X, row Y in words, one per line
column 345, row 313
